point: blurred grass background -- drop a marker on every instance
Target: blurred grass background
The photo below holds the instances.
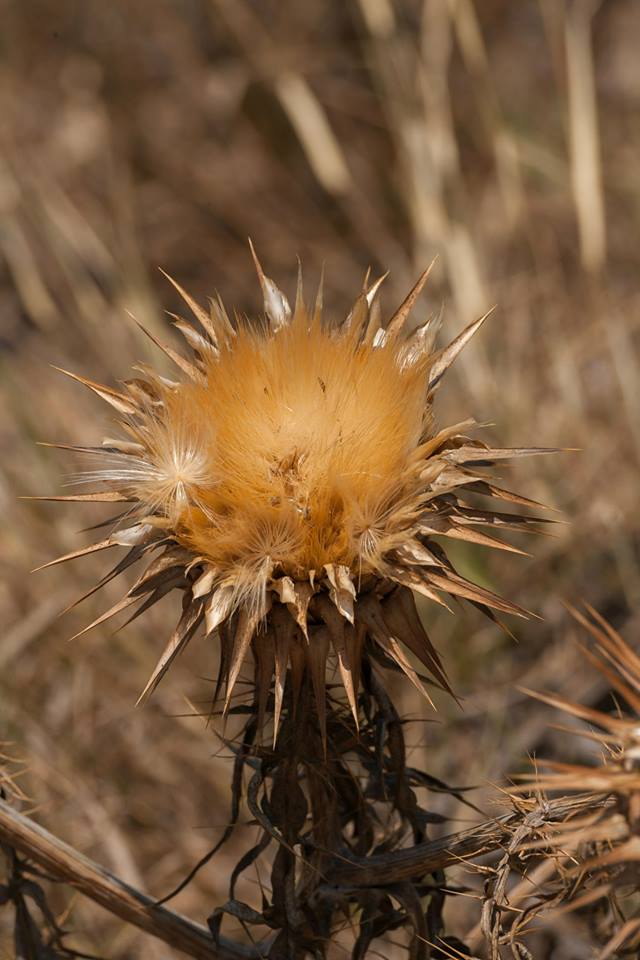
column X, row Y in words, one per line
column 502, row 137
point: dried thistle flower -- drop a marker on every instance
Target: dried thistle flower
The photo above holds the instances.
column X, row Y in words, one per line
column 291, row 486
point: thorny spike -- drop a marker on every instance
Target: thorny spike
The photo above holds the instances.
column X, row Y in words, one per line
column 284, row 628
column 299, row 309
column 341, row 589
column 129, row 447
column 400, row 614
column 111, row 521
column 354, row 639
column 276, row 305
column 577, row 710
column 615, row 680
column 99, row 496
column 372, row 292
column 337, row 629
column 74, row 447
column 610, row 638
column 195, row 340
column 111, row 612
column 201, row 315
column 168, row 564
column 220, row 318
column 148, row 390
column 264, row 653
column 416, row 580
column 142, row 393
column 431, row 446
column 373, row 324
column 455, row 584
column 303, row 592
column 298, row 659
column 397, row 321
column 391, row 646
column 358, row 316
column 345, row 665
column 445, row 358
column 478, row 453
column 152, row 598
column 317, row 653
column 189, row 623
column 370, row 614
column 218, row 607
column 415, row 553
column 92, row 548
column 456, row 530
column 113, row 397
column 317, row 309
column 185, row 365
column 244, row 630
column 490, row 490
column 130, row 558
column 421, row 342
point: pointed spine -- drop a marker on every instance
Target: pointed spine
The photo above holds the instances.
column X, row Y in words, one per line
column 399, row 318
column 445, row 358
column 276, row 305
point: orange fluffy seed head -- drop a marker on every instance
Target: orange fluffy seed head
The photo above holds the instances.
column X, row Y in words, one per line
column 292, row 485
column 307, row 445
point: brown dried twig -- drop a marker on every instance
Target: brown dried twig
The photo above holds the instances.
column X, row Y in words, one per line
column 64, row 863
column 477, row 841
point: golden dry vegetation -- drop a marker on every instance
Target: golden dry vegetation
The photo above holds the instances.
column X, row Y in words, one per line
column 502, row 137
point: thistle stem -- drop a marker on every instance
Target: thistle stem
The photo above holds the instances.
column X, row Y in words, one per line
column 322, row 805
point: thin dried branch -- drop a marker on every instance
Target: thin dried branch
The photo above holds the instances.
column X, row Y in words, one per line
column 475, row 842
column 66, row 864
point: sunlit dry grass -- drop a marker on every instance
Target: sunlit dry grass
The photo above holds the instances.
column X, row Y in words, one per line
column 501, row 138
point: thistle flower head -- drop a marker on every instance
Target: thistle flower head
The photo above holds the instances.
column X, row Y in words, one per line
column 291, row 485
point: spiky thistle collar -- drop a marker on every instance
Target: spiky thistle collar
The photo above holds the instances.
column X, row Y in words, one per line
column 292, row 485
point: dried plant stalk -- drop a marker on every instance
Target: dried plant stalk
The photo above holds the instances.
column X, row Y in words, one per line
column 293, row 486
column 64, row 863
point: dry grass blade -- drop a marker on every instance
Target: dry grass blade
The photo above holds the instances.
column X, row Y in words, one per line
column 399, row 318
column 585, row 139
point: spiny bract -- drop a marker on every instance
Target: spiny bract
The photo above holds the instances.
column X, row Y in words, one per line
column 291, row 486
